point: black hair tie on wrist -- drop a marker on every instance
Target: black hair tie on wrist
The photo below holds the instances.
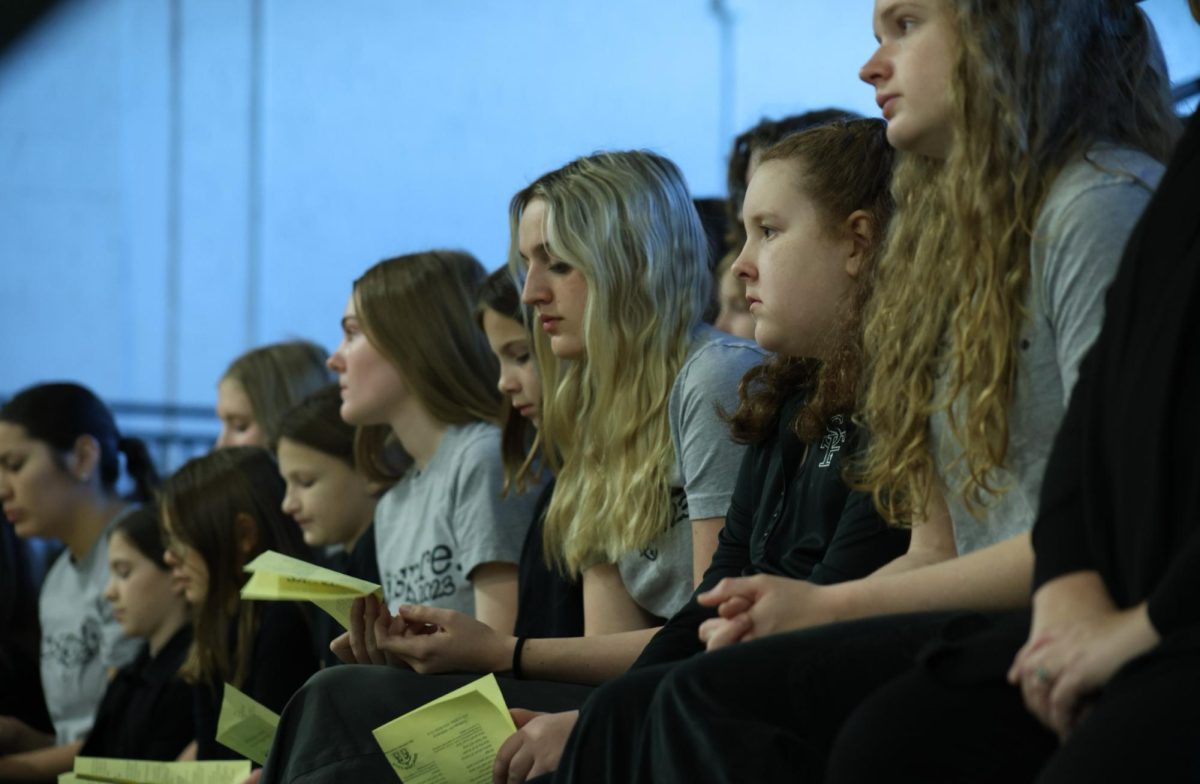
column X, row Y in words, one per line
column 516, row 660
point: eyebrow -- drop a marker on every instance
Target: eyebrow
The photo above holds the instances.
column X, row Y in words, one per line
column 886, row 17
column 523, row 342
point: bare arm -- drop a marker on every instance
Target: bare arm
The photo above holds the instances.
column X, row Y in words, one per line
column 40, row 764
column 188, row 754
column 932, row 540
column 607, row 606
column 495, row 587
column 704, row 544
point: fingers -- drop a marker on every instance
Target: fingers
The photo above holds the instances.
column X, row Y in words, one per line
column 370, row 616
column 520, row 765
column 358, row 645
column 727, row 631
column 521, row 717
column 731, row 608
column 504, row 757
column 340, row 646
column 726, row 590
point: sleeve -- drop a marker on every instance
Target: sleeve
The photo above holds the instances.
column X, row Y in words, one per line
column 283, row 655
column 1173, row 604
column 862, row 543
column 1076, row 251
column 488, row 528
column 707, row 457
column 679, row 637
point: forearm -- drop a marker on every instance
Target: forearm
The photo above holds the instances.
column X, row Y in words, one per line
column 587, row 660
column 40, row 764
column 992, row 579
column 705, row 534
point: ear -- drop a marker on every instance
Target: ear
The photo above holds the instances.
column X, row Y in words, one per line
column 860, row 230
column 245, row 528
column 85, row 458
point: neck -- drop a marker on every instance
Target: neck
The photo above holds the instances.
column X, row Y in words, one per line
column 88, row 525
column 175, row 620
column 369, row 516
column 419, row 433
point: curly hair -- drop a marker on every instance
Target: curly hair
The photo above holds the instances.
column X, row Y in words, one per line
column 1035, row 84
column 842, row 167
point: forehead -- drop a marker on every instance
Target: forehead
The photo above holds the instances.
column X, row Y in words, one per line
column 501, row 330
column 13, row 436
column 772, row 180
column 351, row 309
column 230, row 394
column 292, row 454
column 121, row 549
column 531, row 231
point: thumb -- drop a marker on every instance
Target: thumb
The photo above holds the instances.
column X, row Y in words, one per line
column 418, row 614
column 521, row 717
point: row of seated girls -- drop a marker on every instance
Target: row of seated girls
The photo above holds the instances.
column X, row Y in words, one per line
column 936, row 523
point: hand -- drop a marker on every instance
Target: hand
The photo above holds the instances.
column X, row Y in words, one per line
column 370, row 621
column 17, row 736
column 535, row 748
column 758, row 606
column 1078, row 641
column 439, row 640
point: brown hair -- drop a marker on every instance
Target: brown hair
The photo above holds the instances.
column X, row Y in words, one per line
column 277, row 376
column 416, row 311
column 201, row 504
column 842, row 167
column 518, row 445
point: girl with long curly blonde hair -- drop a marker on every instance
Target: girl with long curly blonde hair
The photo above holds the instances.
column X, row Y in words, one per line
column 1031, row 136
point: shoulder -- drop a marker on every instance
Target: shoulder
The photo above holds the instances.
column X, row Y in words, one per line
column 1094, row 185
column 716, row 359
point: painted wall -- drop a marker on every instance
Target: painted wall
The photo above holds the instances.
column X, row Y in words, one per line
column 183, row 179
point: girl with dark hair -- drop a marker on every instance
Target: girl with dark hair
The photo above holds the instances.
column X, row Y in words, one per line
column 219, row 511
column 146, row 709
column 60, row 461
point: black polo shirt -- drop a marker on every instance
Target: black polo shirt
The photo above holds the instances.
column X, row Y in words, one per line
column 146, row 712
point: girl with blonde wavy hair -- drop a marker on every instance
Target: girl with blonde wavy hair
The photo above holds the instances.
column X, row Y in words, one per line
column 1031, row 138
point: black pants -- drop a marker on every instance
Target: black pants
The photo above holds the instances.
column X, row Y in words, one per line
column 941, row 724
column 325, row 735
column 761, row 711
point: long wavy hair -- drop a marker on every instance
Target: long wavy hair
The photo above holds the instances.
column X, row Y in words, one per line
column 842, row 167
column 1034, row 85
column 625, row 220
column 417, row 312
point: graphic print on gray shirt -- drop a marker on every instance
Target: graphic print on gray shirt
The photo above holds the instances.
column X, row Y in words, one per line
column 433, row 527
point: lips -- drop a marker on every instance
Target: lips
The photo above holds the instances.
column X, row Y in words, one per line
column 525, row 410
column 887, row 104
column 14, row 515
column 549, row 323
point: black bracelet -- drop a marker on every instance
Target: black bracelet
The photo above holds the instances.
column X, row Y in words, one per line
column 516, row 662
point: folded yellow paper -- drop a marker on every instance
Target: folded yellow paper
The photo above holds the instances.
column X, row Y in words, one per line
column 451, row 739
column 278, row 577
column 246, row 726
column 121, row 771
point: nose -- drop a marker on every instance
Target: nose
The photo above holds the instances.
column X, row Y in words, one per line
column 875, row 69
column 743, row 266
column 289, row 506
column 224, row 439
column 336, row 362
column 110, row 590
column 535, row 291
column 5, row 486
column 508, row 384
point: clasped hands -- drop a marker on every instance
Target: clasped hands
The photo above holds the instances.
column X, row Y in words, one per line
column 425, row 639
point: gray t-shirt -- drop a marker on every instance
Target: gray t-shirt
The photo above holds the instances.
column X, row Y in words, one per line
column 433, row 527
column 81, row 640
column 659, row 578
column 1078, row 241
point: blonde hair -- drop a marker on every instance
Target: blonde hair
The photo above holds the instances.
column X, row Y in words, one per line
column 625, row 220
column 276, row 377
column 957, row 266
column 417, row 312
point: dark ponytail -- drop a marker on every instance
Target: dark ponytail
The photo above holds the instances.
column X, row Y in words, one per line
column 58, row 414
column 140, row 467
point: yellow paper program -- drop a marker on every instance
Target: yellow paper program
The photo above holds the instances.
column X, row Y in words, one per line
column 278, row 577
column 121, row 771
column 246, row 726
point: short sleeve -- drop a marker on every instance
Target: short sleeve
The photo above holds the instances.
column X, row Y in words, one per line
column 489, row 528
column 707, row 457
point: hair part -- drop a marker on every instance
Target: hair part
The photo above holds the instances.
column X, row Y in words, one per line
column 842, row 167
column 203, row 503
column 277, row 376
column 956, row 271
column 58, row 414
column 626, row 222
column 417, row 312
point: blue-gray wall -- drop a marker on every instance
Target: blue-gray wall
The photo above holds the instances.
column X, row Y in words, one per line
column 182, row 179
